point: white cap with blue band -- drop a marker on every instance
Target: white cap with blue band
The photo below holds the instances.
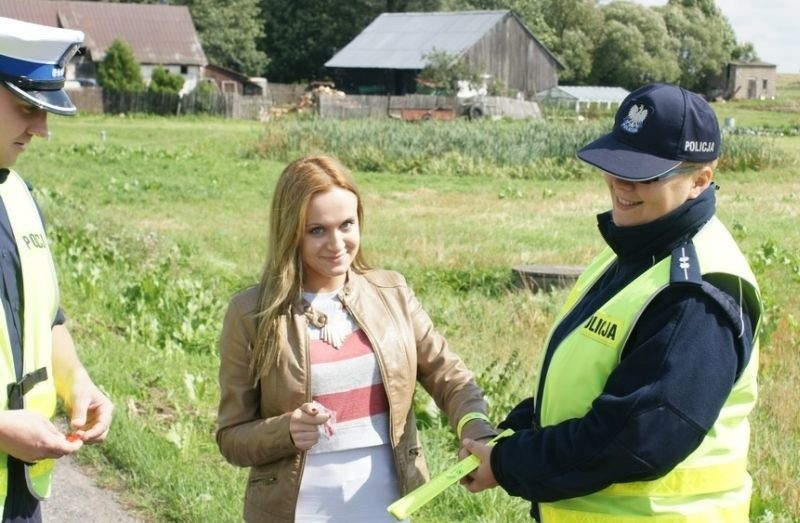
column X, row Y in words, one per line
column 33, row 60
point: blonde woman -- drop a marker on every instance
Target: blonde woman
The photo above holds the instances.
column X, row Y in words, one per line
column 319, row 363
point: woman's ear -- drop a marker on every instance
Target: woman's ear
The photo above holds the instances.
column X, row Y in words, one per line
column 701, row 180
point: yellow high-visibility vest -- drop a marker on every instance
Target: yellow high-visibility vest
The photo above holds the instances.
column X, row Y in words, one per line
column 711, row 484
column 40, row 292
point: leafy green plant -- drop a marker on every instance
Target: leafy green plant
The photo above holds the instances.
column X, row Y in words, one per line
column 444, row 70
column 532, row 149
column 119, row 70
column 164, row 81
column 170, row 312
column 743, row 152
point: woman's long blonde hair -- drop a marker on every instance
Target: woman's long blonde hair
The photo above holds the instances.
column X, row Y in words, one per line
column 282, row 280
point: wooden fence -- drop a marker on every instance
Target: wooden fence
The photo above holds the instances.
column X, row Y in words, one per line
column 227, row 105
column 371, row 106
column 285, row 94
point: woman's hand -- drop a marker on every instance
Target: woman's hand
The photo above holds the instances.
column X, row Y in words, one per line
column 481, row 478
column 304, row 425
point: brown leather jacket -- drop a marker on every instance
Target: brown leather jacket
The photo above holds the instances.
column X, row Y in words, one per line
column 253, row 423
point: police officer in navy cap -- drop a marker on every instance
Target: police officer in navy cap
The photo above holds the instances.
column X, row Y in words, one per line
column 649, row 373
column 38, row 361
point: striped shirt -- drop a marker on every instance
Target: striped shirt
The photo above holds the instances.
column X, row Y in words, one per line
column 347, row 381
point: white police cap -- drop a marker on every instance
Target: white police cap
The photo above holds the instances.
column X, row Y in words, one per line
column 33, row 59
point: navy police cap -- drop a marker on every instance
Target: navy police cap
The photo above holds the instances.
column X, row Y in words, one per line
column 656, row 127
column 33, row 59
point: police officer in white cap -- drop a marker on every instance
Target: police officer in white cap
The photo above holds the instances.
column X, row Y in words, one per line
column 38, row 361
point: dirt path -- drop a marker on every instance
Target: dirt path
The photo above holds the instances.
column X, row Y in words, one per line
column 77, row 499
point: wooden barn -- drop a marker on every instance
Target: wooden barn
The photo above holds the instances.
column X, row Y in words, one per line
column 747, row 80
column 228, row 81
column 387, row 56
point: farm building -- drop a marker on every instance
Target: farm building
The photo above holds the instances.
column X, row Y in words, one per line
column 387, row 56
column 583, row 96
column 749, row 80
column 232, row 82
column 159, row 35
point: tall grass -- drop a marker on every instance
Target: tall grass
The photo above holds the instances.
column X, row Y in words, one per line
column 530, row 149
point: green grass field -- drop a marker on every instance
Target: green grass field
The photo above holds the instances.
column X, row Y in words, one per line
column 156, row 226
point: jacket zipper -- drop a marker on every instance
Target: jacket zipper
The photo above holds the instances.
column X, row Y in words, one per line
column 382, row 369
column 305, row 350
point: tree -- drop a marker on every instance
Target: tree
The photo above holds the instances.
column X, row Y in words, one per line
column 569, row 29
column 745, row 52
column 635, row 48
column 706, row 41
column 444, row 70
column 300, row 37
column 163, row 81
column 119, row 70
column 229, row 31
column 564, row 15
column 206, row 96
column 577, row 53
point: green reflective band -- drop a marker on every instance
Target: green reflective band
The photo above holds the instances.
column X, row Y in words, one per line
column 405, row 506
column 467, row 418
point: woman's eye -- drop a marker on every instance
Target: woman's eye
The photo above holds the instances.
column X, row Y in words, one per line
column 349, row 224
column 316, row 231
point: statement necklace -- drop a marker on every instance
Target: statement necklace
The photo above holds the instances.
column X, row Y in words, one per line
column 332, row 331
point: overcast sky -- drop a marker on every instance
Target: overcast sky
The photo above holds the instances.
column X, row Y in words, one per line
column 773, row 26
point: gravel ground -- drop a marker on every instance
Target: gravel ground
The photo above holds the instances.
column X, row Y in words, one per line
column 77, row 499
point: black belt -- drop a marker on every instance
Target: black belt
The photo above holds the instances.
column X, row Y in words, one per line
column 16, row 391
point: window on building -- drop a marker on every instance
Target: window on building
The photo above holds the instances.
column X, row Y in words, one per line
column 184, row 69
column 764, row 83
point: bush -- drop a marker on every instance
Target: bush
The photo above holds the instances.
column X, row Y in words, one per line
column 119, row 70
column 163, row 81
column 205, row 98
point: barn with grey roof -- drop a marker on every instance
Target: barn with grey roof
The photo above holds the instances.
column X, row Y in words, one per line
column 387, row 56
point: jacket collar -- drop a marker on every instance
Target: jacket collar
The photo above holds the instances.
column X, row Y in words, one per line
column 351, row 284
column 659, row 237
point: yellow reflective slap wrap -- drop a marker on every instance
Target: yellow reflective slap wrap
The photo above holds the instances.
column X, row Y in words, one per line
column 466, row 418
column 408, row 504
